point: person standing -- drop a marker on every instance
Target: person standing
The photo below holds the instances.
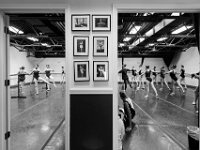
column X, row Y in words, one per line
column 182, row 75
column 125, row 77
column 172, row 74
column 36, row 78
column 62, row 76
column 21, row 79
column 49, row 77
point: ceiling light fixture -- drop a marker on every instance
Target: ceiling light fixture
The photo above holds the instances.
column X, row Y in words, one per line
column 181, row 29
column 45, row 44
column 126, row 39
column 33, row 39
column 15, row 30
column 161, row 39
column 175, row 14
column 135, row 29
column 138, row 41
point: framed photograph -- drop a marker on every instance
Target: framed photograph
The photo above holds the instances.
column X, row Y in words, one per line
column 100, row 46
column 101, row 22
column 80, row 22
column 100, row 70
column 81, row 45
column 81, row 71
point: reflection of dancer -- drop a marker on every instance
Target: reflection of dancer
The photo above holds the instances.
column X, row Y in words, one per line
column 36, row 77
column 162, row 78
column 125, row 76
column 155, row 75
column 140, row 74
column 21, row 79
column 49, row 77
column 195, row 102
column 100, row 71
column 182, row 75
column 134, row 75
column 149, row 81
column 63, row 76
column 172, row 74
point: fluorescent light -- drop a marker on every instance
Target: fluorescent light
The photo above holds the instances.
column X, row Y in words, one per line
column 181, row 29
column 126, row 39
column 161, row 39
column 175, row 14
column 135, row 29
column 151, row 44
column 33, row 39
column 121, row 44
column 45, row 44
column 145, row 14
column 15, row 30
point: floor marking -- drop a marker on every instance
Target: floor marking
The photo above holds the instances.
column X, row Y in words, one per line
column 171, row 138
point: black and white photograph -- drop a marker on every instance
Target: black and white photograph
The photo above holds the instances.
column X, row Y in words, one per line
column 100, row 72
column 100, row 46
column 80, row 22
column 81, row 71
column 101, row 22
column 81, row 45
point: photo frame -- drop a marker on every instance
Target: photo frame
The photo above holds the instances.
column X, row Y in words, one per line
column 80, row 45
column 100, row 71
column 81, row 71
column 100, row 46
column 101, row 22
column 80, row 22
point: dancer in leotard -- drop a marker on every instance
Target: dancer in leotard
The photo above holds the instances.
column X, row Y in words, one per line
column 140, row 74
column 162, row 78
column 63, row 76
column 149, row 81
column 172, row 74
column 182, row 75
column 155, row 75
column 49, row 77
column 134, row 75
column 36, row 78
column 21, row 79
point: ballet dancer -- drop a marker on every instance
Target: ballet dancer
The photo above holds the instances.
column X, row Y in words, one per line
column 21, row 79
column 196, row 76
column 134, row 76
column 63, row 76
column 154, row 73
column 172, row 74
column 49, row 77
column 182, row 75
column 162, row 78
column 36, row 78
column 147, row 74
column 125, row 77
column 140, row 74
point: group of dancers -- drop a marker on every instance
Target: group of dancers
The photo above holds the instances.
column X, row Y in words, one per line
column 36, row 77
column 148, row 73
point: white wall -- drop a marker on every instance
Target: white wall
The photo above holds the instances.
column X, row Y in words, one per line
column 18, row 59
column 190, row 60
column 130, row 62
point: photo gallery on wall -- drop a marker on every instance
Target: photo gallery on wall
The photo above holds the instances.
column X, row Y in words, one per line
column 100, row 23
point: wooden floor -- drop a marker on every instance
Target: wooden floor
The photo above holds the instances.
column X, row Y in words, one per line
column 161, row 124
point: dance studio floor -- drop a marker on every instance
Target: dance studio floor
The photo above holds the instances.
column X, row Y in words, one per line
column 35, row 118
column 161, row 124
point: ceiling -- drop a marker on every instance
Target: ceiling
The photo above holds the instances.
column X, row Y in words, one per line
column 144, row 42
column 49, row 30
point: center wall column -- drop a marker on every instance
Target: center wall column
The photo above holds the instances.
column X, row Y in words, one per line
column 91, row 106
